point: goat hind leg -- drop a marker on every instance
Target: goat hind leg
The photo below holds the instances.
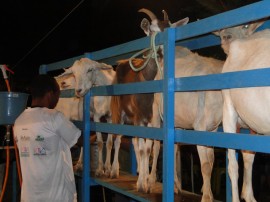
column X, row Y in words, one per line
column 148, row 147
column 141, row 185
column 207, row 159
column 153, row 174
column 247, row 191
column 177, row 162
column 115, row 165
column 107, row 166
column 233, row 173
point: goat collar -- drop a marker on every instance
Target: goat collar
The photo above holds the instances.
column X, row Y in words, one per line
column 153, row 54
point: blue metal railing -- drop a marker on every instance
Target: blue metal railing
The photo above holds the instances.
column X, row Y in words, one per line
column 194, row 35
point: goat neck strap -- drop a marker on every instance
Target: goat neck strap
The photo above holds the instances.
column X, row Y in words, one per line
column 152, row 54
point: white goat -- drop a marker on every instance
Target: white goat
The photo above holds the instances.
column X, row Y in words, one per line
column 200, row 111
column 245, row 52
column 90, row 73
column 71, row 108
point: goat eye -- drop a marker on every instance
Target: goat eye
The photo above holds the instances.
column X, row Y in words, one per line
column 89, row 70
column 245, row 26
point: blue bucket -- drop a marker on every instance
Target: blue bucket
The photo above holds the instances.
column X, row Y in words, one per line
column 12, row 105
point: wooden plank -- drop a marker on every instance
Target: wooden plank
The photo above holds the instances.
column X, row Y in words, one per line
column 126, row 185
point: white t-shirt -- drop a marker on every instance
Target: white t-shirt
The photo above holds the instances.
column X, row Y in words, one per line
column 44, row 138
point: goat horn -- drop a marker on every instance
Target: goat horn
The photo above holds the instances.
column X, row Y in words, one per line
column 149, row 13
column 166, row 17
column 66, row 72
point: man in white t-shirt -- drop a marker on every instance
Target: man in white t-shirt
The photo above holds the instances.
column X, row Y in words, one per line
column 44, row 138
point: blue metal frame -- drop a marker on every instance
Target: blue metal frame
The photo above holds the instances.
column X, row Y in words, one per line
column 180, row 36
column 168, row 117
column 86, row 148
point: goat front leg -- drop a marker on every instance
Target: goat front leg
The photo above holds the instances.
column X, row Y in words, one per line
column 142, row 185
column 136, row 150
column 229, row 120
column 79, row 165
column 99, row 171
column 155, row 122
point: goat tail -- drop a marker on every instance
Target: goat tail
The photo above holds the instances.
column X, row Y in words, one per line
column 116, row 109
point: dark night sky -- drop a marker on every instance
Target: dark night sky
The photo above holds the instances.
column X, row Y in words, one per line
column 92, row 26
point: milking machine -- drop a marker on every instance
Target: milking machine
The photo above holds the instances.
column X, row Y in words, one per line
column 12, row 105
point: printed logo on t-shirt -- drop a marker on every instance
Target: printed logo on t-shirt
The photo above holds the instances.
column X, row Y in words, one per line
column 39, row 138
column 25, row 138
column 39, row 151
column 24, row 151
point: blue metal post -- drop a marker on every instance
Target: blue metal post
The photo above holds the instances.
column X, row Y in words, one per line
column 168, row 116
column 86, row 149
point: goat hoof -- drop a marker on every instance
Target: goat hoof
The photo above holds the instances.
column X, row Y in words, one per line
column 107, row 173
column 140, row 188
column 177, row 188
column 248, row 198
column 148, row 190
column 99, row 173
column 114, row 174
column 207, row 198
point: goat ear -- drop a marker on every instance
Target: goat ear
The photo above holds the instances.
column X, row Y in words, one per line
column 253, row 26
column 104, row 66
column 145, row 26
column 180, row 22
column 66, row 72
column 217, row 33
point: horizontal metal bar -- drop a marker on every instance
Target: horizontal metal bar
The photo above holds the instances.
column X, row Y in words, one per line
column 224, row 140
column 121, row 49
column 79, row 124
column 114, row 60
column 200, row 42
column 230, row 18
column 209, row 39
column 239, row 79
column 67, row 93
column 129, row 88
column 128, row 130
column 217, row 139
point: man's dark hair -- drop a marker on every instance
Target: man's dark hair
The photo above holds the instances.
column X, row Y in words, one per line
column 42, row 84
